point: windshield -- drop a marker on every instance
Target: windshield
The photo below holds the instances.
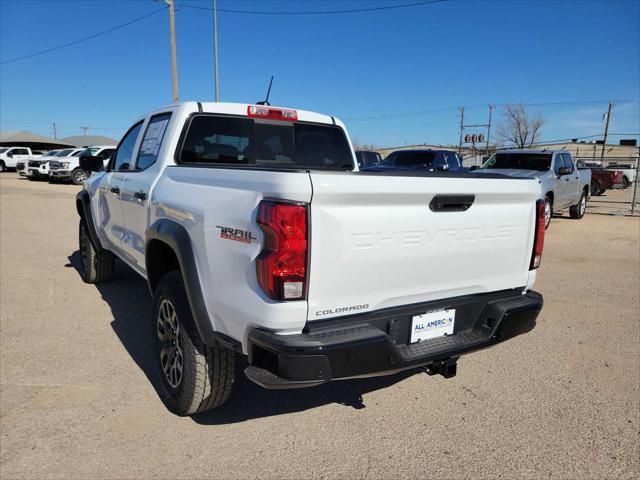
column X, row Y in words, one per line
column 64, row 153
column 2, row 150
column 520, row 161
column 50, row 153
column 409, row 158
column 238, row 141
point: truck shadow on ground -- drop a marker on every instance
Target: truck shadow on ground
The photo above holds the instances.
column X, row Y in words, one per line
column 131, row 305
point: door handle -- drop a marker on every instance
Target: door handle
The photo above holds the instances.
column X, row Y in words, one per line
column 115, row 190
column 140, row 196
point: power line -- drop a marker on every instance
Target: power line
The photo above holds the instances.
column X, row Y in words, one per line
column 84, row 39
column 317, row 12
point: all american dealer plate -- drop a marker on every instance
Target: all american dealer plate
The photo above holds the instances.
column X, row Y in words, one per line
column 432, row 324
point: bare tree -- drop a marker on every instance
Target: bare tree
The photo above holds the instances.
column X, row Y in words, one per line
column 519, row 127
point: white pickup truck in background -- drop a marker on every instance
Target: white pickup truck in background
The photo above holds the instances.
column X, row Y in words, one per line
column 38, row 168
column 258, row 235
column 69, row 167
column 11, row 156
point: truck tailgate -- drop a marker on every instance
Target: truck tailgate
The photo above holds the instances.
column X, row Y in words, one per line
column 377, row 243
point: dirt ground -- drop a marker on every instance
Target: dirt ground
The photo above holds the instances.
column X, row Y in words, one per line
column 78, row 398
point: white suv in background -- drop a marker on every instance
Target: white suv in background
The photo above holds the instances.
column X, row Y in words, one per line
column 69, row 167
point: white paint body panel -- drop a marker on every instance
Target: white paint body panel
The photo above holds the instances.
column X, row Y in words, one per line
column 375, row 242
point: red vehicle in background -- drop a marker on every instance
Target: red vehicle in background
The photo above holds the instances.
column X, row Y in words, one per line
column 601, row 179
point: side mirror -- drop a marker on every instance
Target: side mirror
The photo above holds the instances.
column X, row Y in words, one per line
column 442, row 168
column 564, row 171
column 91, row 164
column 474, row 167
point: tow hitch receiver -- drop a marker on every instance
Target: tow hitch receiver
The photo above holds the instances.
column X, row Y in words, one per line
column 446, row 368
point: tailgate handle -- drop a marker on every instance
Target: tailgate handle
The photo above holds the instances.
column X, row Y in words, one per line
column 451, row 203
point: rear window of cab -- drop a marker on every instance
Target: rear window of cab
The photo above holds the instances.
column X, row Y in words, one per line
column 241, row 141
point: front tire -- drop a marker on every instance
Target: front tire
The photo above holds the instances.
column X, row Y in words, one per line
column 577, row 211
column 2, row 166
column 195, row 377
column 78, row 176
column 96, row 267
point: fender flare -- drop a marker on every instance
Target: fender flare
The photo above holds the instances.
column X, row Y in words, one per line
column 83, row 206
column 177, row 238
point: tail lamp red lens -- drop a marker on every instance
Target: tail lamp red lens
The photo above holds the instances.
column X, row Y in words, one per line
column 538, row 241
column 282, row 264
column 271, row 113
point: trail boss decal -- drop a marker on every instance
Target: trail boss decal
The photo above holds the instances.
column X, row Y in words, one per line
column 237, row 234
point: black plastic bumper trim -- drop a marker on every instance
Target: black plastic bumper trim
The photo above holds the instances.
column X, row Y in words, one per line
column 377, row 343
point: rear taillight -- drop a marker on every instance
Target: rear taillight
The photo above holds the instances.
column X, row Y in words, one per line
column 282, row 265
column 538, row 240
column 271, row 113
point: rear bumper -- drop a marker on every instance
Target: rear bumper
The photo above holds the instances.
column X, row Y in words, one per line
column 376, row 343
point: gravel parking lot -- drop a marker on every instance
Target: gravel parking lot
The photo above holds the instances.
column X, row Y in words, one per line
column 78, row 397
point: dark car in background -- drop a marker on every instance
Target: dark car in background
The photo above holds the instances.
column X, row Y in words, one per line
column 601, row 178
column 429, row 160
column 367, row 158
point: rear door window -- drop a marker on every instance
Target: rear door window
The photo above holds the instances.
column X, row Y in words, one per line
column 152, row 141
column 240, row 141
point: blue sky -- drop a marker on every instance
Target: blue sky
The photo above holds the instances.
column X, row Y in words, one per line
column 380, row 65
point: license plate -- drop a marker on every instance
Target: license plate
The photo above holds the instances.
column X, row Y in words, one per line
column 432, row 324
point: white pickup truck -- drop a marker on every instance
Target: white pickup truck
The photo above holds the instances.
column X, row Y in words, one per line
column 11, row 156
column 257, row 234
column 38, row 168
column 69, row 168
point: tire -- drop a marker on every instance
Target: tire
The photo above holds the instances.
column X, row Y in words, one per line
column 207, row 373
column 78, row 176
column 2, row 166
column 577, row 211
column 96, row 267
column 625, row 182
column 548, row 211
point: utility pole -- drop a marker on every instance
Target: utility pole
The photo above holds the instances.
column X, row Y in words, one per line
column 174, row 67
column 55, row 133
column 489, row 128
column 85, row 130
column 461, row 129
column 215, row 50
column 606, row 132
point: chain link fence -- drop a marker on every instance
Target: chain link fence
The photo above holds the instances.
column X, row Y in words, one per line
column 614, row 185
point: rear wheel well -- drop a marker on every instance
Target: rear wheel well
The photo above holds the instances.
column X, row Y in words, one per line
column 160, row 259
